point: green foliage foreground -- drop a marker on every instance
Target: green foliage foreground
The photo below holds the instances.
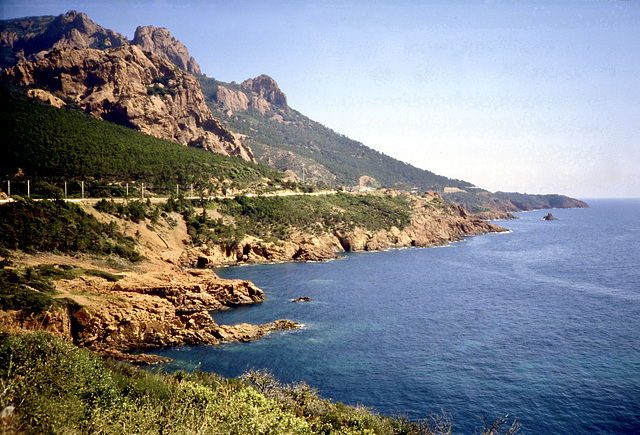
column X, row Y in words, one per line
column 50, row 386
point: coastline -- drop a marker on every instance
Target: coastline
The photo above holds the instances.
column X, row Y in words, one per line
column 166, row 300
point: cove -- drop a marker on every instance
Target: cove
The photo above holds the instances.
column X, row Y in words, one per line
column 540, row 323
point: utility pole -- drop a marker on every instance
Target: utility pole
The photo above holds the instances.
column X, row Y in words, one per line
column 9, row 188
column 28, row 188
column 65, row 190
column 82, row 187
column 142, row 190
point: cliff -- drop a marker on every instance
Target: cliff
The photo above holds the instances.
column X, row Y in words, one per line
column 29, row 39
column 433, row 222
column 159, row 41
column 137, row 89
column 260, row 94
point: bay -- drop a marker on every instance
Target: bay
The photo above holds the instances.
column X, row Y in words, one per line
column 541, row 323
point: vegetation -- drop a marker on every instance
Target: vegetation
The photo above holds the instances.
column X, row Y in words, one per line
column 51, row 386
column 58, row 226
column 274, row 218
column 57, row 145
column 347, row 160
column 31, row 289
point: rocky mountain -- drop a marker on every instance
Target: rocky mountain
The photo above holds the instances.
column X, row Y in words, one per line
column 30, row 38
column 160, row 41
column 266, row 88
column 256, row 111
column 288, row 141
column 131, row 87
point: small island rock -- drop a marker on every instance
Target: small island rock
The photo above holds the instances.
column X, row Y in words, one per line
column 302, row 299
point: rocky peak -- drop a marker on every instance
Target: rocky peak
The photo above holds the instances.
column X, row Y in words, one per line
column 30, row 38
column 73, row 29
column 131, row 87
column 158, row 40
column 267, row 88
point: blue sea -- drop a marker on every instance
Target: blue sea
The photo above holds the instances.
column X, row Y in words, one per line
column 541, row 323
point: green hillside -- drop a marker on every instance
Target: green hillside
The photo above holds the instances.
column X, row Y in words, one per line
column 289, row 141
column 52, row 145
column 328, row 156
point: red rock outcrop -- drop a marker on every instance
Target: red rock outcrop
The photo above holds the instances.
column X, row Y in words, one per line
column 262, row 92
column 434, row 222
column 158, row 40
column 146, row 311
column 267, row 88
column 31, row 38
column 137, row 89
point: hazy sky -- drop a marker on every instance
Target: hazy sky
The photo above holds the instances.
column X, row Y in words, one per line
column 528, row 96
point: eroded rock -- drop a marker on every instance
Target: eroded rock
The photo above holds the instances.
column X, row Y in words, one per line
column 134, row 88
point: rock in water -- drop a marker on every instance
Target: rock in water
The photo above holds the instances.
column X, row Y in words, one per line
column 549, row 217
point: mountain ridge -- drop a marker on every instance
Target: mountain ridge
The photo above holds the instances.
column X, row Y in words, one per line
column 257, row 113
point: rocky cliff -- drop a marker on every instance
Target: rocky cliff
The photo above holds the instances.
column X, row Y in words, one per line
column 31, row 38
column 147, row 311
column 259, row 94
column 433, row 223
column 159, row 41
column 131, row 87
column 267, row 88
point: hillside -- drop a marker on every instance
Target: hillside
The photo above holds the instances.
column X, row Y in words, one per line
column 285, row 139
column 288, row 141
column 51, row 145
column 249, row 120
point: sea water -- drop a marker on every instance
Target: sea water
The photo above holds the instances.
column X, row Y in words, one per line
column 541, row 323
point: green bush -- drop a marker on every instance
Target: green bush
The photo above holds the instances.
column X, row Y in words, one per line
column 57, row 226
column 56, row 387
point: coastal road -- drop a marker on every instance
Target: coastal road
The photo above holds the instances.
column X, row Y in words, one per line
column 158, row 199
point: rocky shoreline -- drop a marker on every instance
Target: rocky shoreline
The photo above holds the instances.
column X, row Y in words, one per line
column 166, row 300
column 147, row 311
column 434, row 223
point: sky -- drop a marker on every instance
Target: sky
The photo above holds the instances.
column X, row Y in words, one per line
column 526, row 96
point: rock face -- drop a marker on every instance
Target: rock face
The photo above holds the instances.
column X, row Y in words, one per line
column 258, row 94
column 149, row 311
column 134, row 88
column 267, row 89
column 30, row 38
column 232, row 101
column 160, row 41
